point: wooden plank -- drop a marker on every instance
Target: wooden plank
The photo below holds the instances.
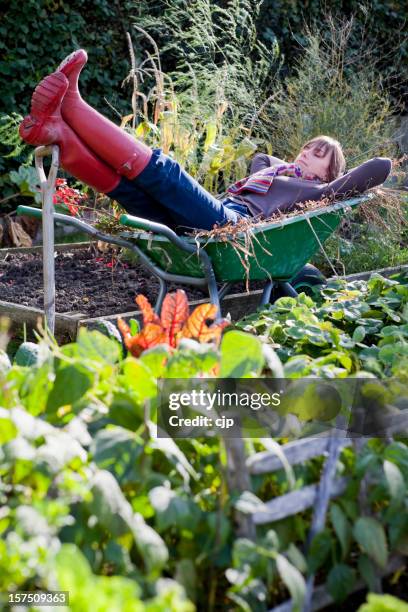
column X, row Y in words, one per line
column 239, row 481
column 18, row 315
column 73, row 246
column 68, row 324
column 366, row 275
column 321, row 504
column 396, row 424
column 238, row 305
column 393, row 423
column 321, row 598
column 296, row 452
column 91, row 322
column 294, row 502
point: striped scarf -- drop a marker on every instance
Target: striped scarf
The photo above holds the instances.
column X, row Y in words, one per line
column 260, row 181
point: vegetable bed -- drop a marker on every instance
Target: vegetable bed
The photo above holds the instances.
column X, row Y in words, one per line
column 87, row 281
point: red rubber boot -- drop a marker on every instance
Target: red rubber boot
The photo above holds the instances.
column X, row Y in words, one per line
column 118, row 149
column 44, row 126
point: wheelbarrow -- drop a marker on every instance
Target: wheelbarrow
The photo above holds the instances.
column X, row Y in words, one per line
column 280, row 253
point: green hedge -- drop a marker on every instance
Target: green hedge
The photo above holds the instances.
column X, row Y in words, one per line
column 35, row 35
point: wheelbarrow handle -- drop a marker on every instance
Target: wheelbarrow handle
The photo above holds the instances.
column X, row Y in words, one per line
column 157, row 228
column 44, row 151
column 29, row 211
column 145, row 224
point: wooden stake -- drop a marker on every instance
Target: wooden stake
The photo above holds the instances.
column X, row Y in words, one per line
column 47, row 191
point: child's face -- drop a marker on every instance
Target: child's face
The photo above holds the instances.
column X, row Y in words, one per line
column 314, row 159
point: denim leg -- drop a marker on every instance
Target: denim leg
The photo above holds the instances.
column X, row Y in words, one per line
column 136, row 202
column 167, row 183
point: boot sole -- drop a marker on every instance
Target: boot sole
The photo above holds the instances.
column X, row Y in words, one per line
column 72, row 61
column 48, row 95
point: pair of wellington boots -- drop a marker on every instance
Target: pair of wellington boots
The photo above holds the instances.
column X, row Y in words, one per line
column 92, row 148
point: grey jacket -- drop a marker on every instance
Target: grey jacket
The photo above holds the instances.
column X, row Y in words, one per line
column 285, row 192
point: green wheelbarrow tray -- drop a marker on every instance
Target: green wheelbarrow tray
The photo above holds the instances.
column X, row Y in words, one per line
column 279, row 249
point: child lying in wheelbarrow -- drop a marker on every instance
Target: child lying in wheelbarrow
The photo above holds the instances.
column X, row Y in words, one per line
column 150, row 184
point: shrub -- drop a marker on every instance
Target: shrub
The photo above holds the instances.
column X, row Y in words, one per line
column 332, row 93
column 213, row 110
column 38, row 34
column 381, row 23
column 218, row 92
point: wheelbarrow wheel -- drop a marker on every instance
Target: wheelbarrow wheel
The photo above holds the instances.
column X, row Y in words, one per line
column 307, row 280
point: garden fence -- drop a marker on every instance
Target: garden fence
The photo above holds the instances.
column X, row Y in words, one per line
column 315, row 495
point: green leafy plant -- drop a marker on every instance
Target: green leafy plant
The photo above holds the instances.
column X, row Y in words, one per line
column 81, row 466
column 9, row 137
column 121, row 494
column 173, row 324
column 383, row 603
column 26, row 180
column 345, row 332
column 380, row 26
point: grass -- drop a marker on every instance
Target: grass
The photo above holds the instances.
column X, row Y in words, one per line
column 360, row 245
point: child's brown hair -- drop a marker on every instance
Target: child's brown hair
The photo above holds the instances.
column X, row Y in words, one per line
column 337, row 163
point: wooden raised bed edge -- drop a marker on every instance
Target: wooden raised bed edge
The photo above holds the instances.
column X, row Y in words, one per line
column 66, row 246
column 237, row 305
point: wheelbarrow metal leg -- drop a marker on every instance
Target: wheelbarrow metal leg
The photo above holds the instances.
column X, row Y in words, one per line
column 213, row 291
column 224, row 290
column 288, row 290
column 266, row 293
column 161, row 296
column 206, row 262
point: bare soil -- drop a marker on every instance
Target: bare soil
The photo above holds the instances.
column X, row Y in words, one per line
column 87, row 281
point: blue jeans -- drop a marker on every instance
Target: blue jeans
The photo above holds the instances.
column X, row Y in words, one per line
column 166, row 193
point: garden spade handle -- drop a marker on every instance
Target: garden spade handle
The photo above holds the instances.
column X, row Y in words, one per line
column 47, row 191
